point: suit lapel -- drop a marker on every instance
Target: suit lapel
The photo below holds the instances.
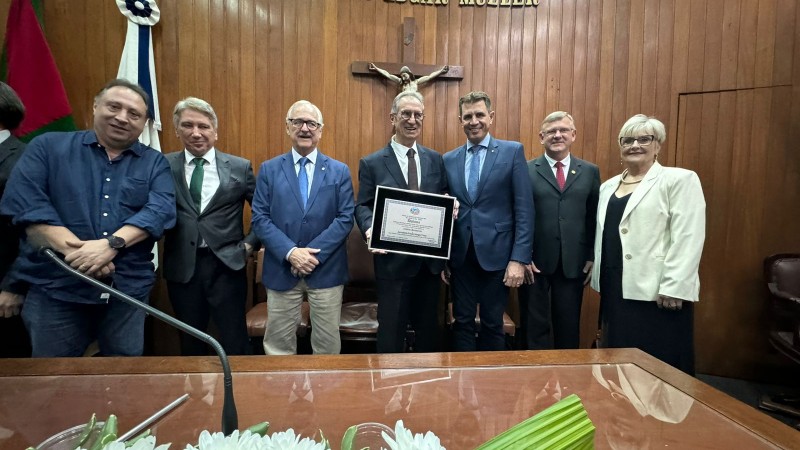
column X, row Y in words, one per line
column 390, row 160
column 544, row 170
column 224, row 173
column 320, row 172
column 575, row 169
column 291, row 178
column 461, row 164
column 426, row 164
column 177, row 161
column 647, row 183
column 488, row 163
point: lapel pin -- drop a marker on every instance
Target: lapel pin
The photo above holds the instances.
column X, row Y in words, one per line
column 572, row 172
column 323, row 167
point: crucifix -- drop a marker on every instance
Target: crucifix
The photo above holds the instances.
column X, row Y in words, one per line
column 403, row 73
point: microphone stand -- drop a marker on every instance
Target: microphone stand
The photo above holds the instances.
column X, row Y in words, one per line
column 230, row 421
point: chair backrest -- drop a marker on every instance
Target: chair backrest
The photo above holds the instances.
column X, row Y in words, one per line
column 361, row 286
column 784, row 270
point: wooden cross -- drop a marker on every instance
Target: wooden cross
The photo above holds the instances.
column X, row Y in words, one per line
column 408, row 59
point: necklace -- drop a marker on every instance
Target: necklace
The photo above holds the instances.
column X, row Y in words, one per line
column 625, row 175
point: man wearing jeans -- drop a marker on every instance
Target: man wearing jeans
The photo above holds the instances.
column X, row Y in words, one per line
column 101, row 199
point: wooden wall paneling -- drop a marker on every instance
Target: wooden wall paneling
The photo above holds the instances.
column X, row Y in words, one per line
column 489, row 82
column 554, row 49
column 680, row 63
column 604, row 137
column 529, row 123
column 651, row 40
column 712, row 51
column 588, row 125
column 328, row 73
column 243, row 99
column 577, row 105
column 729, row 50
column 635, row 58
column 748, row 20
column 567, row 61
column 218, row 67
column 619, row 89
column 165, row 40
column 663, row 93
column 539, row 75
column 784, row 42
column 274, row 87
column 503, row 70
column 765, row 43
column 518, row 122
column 476, row 79
column 439, row 102
column 697, row 37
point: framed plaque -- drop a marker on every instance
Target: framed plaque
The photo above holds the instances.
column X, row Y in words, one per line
column 412, row 222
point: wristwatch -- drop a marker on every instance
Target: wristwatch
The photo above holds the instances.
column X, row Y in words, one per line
column 115, row 242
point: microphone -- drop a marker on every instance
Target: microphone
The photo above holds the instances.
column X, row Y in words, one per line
column 230, row 420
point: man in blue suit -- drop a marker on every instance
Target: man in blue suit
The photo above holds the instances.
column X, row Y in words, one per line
column 302, row 213
column 493, row 235
column 408, row 286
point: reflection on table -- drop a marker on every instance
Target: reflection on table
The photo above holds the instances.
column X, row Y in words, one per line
column 634, row 400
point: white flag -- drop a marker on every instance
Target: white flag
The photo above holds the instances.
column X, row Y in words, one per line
column 138, row 65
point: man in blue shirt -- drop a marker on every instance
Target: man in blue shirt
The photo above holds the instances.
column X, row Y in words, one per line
column 101, row 199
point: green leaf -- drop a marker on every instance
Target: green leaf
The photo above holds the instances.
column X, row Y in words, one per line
column 259, row 428
column 87, row 430
column 349, row 437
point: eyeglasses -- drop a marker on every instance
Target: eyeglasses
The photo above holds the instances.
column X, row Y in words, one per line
column 298, row 123
column 642, row 140
column 551, row 133
column 406, row 115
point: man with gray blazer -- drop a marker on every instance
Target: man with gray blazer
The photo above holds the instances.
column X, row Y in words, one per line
column 565, row 192
column 205, row 254
column 408, row 286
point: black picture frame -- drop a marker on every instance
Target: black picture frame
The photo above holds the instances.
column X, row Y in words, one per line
column 384, row 193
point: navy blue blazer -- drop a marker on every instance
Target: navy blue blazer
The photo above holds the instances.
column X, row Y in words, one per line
column 280, row 222
column 500, row 221
column 382, row 169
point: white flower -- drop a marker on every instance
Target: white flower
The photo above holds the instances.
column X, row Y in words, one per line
column 147, row 443
column 404, row 440
column 282, row 440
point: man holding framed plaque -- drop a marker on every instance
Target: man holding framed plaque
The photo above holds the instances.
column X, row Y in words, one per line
column 408, row 285
column 493, row 235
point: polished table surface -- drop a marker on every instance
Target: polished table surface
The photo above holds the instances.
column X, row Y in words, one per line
column 634, row 400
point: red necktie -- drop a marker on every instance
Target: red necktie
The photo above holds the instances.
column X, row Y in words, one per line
column 560, row 179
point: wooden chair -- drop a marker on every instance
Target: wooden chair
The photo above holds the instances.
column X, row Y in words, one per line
column 359, row 321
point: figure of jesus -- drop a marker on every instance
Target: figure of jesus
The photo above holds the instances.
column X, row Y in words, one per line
column 406, row 79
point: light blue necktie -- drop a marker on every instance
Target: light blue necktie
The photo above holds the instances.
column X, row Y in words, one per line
column 302, row 179
column 474, row 172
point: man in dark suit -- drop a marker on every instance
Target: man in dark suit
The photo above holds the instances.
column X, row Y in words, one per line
column 565, row 192
column 303, row 213
column 494, row 232
column 206, row 253
column 408, row 286
column 14, row 340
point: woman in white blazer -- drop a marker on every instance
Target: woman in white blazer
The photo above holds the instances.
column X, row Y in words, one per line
column 650, row 234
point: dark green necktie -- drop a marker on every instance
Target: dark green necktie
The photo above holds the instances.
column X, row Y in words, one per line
column 196, row 185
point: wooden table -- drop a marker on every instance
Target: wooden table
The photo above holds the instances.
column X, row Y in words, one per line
column 465, row 398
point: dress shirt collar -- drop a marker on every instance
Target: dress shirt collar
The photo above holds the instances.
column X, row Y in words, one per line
column 312, row 157
column 90, row 139
column 4, row 134
column 484, row 143
column 210, row 156
column 400, row 150
column 552, row 162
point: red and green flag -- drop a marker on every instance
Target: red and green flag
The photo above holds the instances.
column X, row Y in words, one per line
column 28, row 67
